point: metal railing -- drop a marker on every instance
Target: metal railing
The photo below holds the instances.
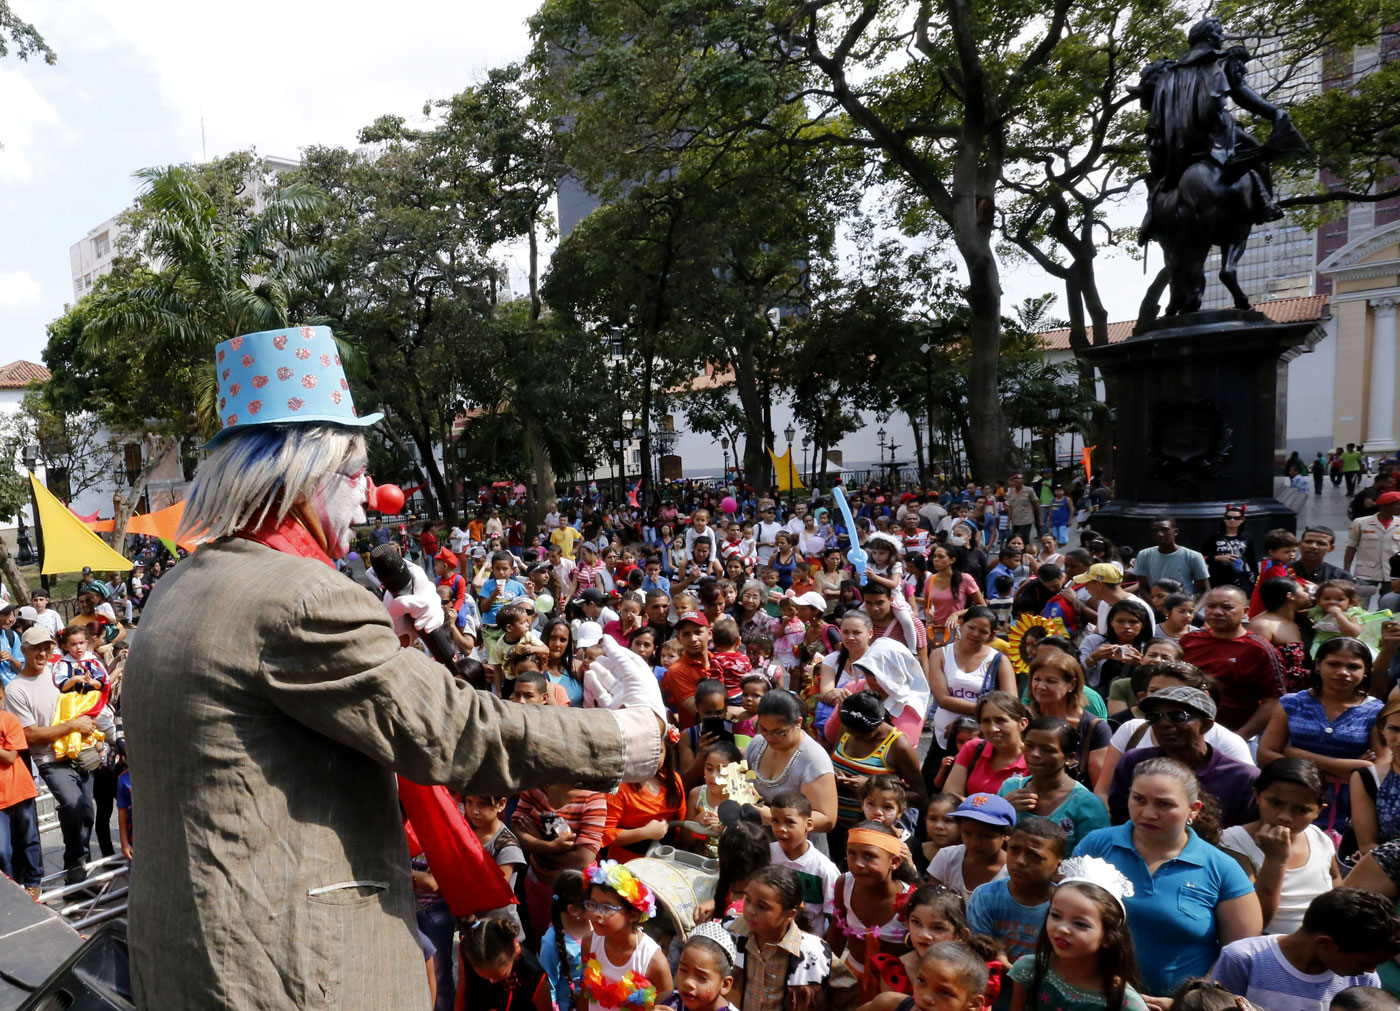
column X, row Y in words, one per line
column 101, row 896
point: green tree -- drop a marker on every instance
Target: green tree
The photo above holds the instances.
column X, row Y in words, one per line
column 23, row 36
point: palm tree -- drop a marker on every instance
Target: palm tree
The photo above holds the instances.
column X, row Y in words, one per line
column 206, row 274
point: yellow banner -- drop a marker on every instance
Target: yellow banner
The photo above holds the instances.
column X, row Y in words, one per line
column 68, row 543
column 785, row 474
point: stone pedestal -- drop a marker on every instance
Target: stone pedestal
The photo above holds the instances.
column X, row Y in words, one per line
column 1195, row 400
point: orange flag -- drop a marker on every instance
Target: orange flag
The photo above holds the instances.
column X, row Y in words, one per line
column 1088, row 466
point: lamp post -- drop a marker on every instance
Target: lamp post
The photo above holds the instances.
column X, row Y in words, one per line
column 724, row 446
column 31, row 461
column 789, row 433
column 880, row 436
column 1053, row 413
column 807, row 474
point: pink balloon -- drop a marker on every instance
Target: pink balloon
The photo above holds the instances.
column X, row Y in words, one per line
column 729, row 505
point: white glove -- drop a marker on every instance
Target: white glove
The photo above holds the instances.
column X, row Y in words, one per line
column 621, row 679
column 420, row 609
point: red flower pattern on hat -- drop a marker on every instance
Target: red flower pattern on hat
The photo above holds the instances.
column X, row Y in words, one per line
column 232, row 420
column 223, row 401
column 246, row 361
column 284, row 373
column 335, row 396
column 254, row 406
column 233, row 390
column 259, row 382
column 309, row 381
column 337, row 359
column 343, row 384
column 296, row 403
column 236, row 343
column 308, row 332
column 221, row 356
column 303, row 354
column 280, row 342
column 225, row 374
column 325, row 361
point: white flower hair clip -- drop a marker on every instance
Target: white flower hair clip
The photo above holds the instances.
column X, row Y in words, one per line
column 1097, row 871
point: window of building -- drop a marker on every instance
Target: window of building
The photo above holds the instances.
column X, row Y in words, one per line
column 87, row 280
column 101, row 246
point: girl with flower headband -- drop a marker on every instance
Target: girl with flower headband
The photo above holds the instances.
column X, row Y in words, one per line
column 1084, row 958
column 622, row 967
column 868, row 902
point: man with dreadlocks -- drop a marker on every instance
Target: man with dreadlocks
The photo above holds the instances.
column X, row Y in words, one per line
column 264, row 746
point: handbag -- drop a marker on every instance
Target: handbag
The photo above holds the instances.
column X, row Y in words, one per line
column 87, row 760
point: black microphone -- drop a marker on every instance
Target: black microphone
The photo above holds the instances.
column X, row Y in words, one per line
column 393, row 572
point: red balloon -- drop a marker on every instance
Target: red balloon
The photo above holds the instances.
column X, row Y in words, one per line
column 388, row 498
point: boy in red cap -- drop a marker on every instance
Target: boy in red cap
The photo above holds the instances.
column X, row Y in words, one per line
column 678, row 686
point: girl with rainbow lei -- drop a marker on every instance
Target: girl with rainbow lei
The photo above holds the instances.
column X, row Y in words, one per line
column 622, row 967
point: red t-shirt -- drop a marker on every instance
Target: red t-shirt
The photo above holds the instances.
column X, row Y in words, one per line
column 981, row 777
column 1248, row 668
column 16, row 784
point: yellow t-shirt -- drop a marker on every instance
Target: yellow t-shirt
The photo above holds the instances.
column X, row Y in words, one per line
column 566, row 538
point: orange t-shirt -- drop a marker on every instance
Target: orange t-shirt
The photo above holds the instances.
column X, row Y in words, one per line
column 679, row 685
column 16, row 784
column 633, row 807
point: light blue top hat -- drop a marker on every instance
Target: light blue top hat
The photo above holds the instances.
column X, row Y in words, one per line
column 284, row 377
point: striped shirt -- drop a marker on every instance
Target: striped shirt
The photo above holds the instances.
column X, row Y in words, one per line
column 586, row 815
column 1256, row 969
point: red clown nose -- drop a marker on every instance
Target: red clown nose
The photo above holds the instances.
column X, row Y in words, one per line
column 384, row 498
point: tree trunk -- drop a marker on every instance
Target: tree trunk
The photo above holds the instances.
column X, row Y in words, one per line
column 544, row 481
column 755, row 433
column 989, row 442
column 19, row 587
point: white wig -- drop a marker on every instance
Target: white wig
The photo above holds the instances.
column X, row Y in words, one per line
column 259, row 473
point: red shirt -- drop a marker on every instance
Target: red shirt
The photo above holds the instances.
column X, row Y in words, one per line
column 16, row 784
column 1248, row 668
column 679, row 685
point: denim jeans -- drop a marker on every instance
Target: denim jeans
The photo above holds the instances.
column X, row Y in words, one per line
column 439, row 925
column 72, row 790
column 21, row 857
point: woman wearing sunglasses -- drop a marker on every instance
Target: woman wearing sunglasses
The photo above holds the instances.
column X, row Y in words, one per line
column 1180, row 717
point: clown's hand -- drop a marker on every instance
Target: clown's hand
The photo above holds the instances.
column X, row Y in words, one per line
column 420, row 608
column 599, row 686
column 627, row 678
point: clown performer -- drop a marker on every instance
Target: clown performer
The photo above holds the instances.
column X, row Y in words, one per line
column 269, row 706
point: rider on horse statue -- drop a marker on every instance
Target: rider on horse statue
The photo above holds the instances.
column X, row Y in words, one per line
column 1190, row 127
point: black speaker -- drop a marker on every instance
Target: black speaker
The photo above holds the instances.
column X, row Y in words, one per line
column 96, row 977
column 34, row 940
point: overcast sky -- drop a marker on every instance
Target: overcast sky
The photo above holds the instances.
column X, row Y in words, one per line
column 135, row 78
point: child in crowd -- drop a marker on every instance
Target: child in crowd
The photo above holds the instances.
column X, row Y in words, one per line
column 123, row 811
column 561, row 947
column 940, row 829
column 1084, row 953
column 529, row 684
column 1013, row 908
column 75, row 669
column 1289, row 859
column 555, row 826
column 773, row 593
column 668, row 653
column 760, row 650
column 703, row 803
column 769, row 933
column 933, row 914
column 865, row 919
column 960, row 731
column 706, row 970
column 21, row 857
column 1345, row 934
column 496, row 973
column 498, row 590
column 711, row 706
column 1179, row 612
column 1002, row 600
column 792, row 824
column 513, row 622
column 752, row 688
column 727, row 662
column 643, row 643
column 788, row 638
column 950, row 976
column 483, row 814
column 1280, row 550
column 985, row 822
column 885, row 799
column 1337, row 612
column 1052, row 747
column 743, row 852
column 622, row 965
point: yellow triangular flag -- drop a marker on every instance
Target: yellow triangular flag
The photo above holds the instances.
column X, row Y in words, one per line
column 68, row 544
column 785, row 474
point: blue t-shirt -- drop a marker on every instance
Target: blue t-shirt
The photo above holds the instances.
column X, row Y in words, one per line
column 1257, row 970
column 998, row 570
column 124, row 791
column 992, row 911
column 9, row 668
column 1081, row 812
column 512, row 588
column 1171, row 913
column 549, row 961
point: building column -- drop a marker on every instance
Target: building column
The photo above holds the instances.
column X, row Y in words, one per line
column 1380, row 413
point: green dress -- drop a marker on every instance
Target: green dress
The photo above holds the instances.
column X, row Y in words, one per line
column 1057, row 995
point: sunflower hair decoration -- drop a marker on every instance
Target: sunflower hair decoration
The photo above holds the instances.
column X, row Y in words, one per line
column 1026, row 635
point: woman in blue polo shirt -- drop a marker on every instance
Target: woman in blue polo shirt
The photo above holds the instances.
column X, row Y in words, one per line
column 1189, row 898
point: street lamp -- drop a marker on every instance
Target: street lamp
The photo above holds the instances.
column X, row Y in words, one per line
column 31, row 462
column 1053, row 413
column 789, row 433
column 806, row 442
column 724, row 445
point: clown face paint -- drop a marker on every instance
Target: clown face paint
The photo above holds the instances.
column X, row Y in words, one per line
column 339, row 502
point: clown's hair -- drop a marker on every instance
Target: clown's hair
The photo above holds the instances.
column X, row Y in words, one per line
column 258, row 473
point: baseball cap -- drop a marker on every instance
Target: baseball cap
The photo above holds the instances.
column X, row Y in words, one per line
column 87, row 570
column 694, row 617
column 9, row 609
column 1104, row 572
column 27, row 613
column 1388, row 498
column 811, row 599
column 447, row 557
column 1182, row 695
column 987, row 808
column 593, row 595
column 37, row 636
column 588, row 633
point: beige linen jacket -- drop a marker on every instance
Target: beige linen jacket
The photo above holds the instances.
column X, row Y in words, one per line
column 268, row 706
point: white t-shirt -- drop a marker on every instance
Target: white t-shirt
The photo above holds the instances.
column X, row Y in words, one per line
column 50, row 621
column 946, row 866
column 1222, row 738
column 819, row 876
column 1300, row 885
column 33, row 701
column 766, row 532
column 1255, row 968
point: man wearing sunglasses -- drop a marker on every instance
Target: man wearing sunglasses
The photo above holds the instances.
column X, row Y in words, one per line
column 1180, row 718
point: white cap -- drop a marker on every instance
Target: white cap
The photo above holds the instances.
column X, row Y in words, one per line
column 27, row 613
column 588, row 633
column 811, row 599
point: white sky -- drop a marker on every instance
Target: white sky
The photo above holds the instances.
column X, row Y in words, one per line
column 134, row 78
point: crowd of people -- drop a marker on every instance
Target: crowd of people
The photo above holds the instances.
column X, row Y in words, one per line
column 1182, row 784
